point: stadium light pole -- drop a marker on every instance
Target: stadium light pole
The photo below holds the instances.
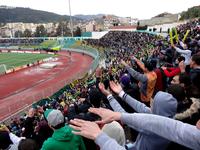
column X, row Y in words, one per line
column 71, row 24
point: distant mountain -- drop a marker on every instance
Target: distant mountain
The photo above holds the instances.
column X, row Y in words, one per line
column 89, row 17
column 27, row 15
column 163, row 15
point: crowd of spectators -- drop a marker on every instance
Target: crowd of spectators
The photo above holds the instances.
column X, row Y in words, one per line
column 6, row 42
column 124, row 40
column 141, row 99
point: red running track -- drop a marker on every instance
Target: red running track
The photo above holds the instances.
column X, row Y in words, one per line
column 22, row 88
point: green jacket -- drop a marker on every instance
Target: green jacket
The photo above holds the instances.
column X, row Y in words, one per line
column 64, row 139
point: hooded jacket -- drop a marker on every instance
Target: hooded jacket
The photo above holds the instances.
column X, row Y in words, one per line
column 164, row 104
column 173, row 130
column 63, row 139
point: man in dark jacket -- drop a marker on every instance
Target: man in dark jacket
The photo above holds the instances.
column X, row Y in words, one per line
column 195, row 73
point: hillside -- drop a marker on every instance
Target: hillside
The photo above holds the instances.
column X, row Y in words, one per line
column 160, row 19
column 27, row 15
column 193, row 12
column 89, row 17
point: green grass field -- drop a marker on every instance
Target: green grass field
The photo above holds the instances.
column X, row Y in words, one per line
column 12, row 60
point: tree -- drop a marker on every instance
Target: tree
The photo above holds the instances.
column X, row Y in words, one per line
column 27, row 33
column 193, row 12
column 62, row 29
column 40, row 31
column 18, row 33
column 77, row 32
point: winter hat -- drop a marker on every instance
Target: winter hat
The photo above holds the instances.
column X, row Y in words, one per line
column 115, row 131
column 125, row 79
column 54, row 117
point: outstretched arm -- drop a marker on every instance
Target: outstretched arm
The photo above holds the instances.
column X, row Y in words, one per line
column 113, row 102
column 135, row 104
column 136, row 75
column 173, row 130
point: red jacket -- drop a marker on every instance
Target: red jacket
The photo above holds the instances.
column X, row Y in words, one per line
column 171, row 72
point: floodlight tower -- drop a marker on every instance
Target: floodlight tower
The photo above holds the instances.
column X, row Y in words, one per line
column 71, row 24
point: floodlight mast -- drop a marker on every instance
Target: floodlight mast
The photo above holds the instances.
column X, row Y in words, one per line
column 71, row 24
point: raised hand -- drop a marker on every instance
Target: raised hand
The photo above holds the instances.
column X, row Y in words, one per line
column 116, row 87
column 103, row 90
column 84, row 128
column 124, row 63
column 106, row 115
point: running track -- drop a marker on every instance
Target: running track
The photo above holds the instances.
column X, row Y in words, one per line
column 24, row 87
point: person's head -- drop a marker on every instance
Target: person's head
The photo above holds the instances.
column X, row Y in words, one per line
column 115, row 131
column 195, row 61
column 5, row 140
column 125, row 80
column 55, row 118
column 164, row 104
column 149, row 66
column 95, row 97
column 179, row 59
column 177, row 91
column 184, row 80
column 28, row 144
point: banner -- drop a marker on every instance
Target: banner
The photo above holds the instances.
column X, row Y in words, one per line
column 185, row 36
column 171, row 38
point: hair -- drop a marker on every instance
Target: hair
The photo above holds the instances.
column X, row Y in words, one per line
column 95, row 97
column 177, row 92
column 28, row 144
column 181, row 58
column 59, row 125
column 185, row 79
column 5, row 140
column 196, row 58
column 148, row 65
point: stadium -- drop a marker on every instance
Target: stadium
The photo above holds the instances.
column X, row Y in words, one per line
column 126, row 87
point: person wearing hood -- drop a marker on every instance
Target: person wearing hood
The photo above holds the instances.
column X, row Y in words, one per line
column 62, row 138
column 164, row 104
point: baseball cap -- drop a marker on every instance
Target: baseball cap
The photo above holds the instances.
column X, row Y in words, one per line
column 54, row 117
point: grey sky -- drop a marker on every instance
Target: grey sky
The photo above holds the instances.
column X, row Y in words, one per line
column 142, row 9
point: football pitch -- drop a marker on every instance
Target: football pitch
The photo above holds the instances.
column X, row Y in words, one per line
column 11, row 60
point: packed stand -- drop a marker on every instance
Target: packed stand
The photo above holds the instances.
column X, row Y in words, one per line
column 19, row 42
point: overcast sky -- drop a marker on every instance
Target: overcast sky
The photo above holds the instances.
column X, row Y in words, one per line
column 141, row 9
